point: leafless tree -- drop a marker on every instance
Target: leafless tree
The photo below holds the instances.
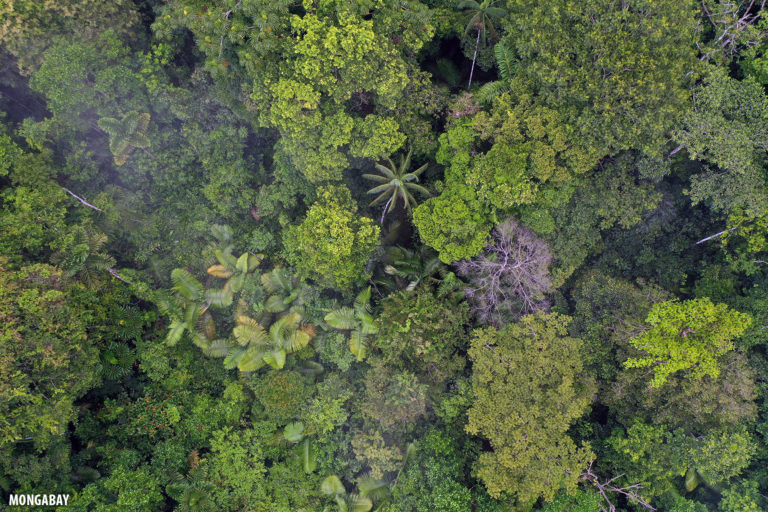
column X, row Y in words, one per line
column 735, row 25
column 631, row 492
column 511, row 278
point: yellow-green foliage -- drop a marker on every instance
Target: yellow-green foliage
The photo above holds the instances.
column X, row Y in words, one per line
column 333, row 243
column 689, row 335
column 529, row 387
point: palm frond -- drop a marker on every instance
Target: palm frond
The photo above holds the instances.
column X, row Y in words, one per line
column 251, row 359
column 332, row 486
column 249, row 331
column 342, row 318
column 490, row 91
column 362, row 301
column 186, row 285
column 218, row 348
column 505, row 60
column 357, row 345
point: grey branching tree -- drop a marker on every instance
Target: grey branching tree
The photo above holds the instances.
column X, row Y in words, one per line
column 511, row 278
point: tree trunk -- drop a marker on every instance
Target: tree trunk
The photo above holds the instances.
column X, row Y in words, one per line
column 474, row 58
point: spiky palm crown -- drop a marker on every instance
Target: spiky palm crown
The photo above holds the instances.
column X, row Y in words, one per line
column 126, row 134
column 482, row 16
column 396, row 182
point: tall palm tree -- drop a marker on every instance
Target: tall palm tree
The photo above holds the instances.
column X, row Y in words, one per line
column 396, row 181
column 482, row 19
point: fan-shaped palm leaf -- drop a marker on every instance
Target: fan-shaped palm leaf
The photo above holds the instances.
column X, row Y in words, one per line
column 249, row 331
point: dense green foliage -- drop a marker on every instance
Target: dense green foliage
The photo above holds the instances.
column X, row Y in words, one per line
column 386, row 256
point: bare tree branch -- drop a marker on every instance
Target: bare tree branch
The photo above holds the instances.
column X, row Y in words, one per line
column 631, row 492
column 717, row 235
column 511, row 278
column 86, row 203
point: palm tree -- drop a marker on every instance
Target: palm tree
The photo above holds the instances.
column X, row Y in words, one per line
column 286, row 292
column 352, row 502
column 396, row 181
column 259, row 346
column 127, row 134
column 357, row 319
column 482, row 16
column 505, row 62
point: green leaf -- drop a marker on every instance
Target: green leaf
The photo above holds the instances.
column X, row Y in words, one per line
column 342, row 318
column 331, row 485
column 235, row 284
column 308, row 456
column 294, row 432
column 175, row 332
column 225, row 257
column 251, row 360
column 370, row 486
column 296, row 341
column 218, row 348
column 357, row 345
column 275, row 358
column 362, row 301
column 234, row 357
column 359, row 503
column 186, row 285
column 248, row 331
column 223, row 233
column 691, row 480
column 219, row 298
column 242, row 263
column 275, row 304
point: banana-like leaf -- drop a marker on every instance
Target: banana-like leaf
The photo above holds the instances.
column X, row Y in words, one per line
column 276, row 281
column 342, row 318
column 311, row 368
column 225, row 257
column 252, row 360
column 357, row 345
column 219, row 271
column 373, row 487
column 192, row 314
column 275, row 304
column 254, row 260
column 294, row 432
column 186, row 285
column 275, row 358
column 308, row 456
column 331, row 486
column 248, row 331
column 242, row 263
column 359, row 503
column 692, row 480
column 175, row 332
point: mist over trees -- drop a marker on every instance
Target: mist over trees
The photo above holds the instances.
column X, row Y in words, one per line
column 411, row 255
